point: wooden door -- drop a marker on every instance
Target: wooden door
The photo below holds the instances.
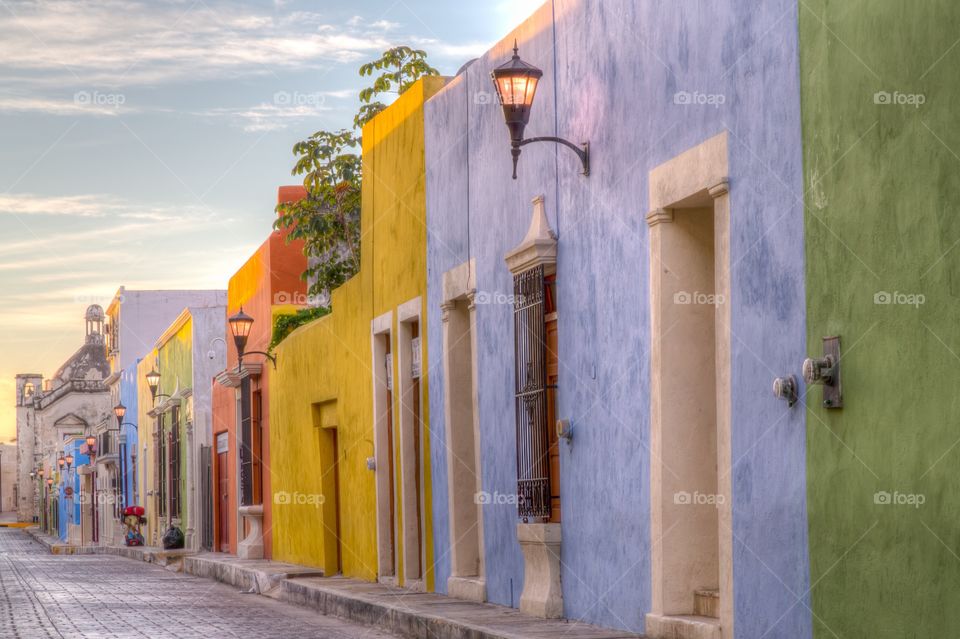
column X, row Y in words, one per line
column 336, row 496
column 391, row 469
column 223, row 503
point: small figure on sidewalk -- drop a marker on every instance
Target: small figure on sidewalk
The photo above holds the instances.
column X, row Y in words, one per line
column 133, row 519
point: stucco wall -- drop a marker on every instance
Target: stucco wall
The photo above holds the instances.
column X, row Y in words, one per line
column 330, row 359
column 142, row 315
column 883, row 272
column 146, row 452
column 8, row 477
column 612, row 74
column 269, row 283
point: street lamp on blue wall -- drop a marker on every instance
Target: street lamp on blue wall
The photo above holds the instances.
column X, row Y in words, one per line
column 516, row 84
column 120, row 411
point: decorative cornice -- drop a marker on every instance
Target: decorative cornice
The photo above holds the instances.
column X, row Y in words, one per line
column 659, row 216
column 445, row 309
column 722, row 187
column 539, row 247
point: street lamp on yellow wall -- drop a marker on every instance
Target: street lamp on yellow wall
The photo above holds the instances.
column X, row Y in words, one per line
column 153, row 382
column 516, row 84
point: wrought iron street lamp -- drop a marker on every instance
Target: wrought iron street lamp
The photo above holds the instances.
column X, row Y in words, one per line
column 61, row 462
column 516, row 84
column 69, row 459
column 240, row 325
column 153, row 381
column 120, row 411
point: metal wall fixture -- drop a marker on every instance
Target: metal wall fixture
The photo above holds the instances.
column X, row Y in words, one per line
column 825, row 370
column 785, row 388
column 153, row 382
column 516, row 84
column 240, row 325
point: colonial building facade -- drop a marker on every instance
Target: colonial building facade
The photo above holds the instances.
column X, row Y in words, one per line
column 267, row 285
column 59, row 484
column 603, row 429
column 135, row 320
column 177, row 377
column 349, row 398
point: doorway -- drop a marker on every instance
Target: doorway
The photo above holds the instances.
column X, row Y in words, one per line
column 325, row 419
column 410, row 443
column 223, row 492
column 462, row 430
column 384, row 450
column 691, row 536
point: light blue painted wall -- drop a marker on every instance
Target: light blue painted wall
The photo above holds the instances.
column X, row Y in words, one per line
column 129, row 398
column 616, row 67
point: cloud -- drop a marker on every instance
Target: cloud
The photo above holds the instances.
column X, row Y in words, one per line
column 266, row 117
column 92, row 205
column 81, row 104
column 83, row 43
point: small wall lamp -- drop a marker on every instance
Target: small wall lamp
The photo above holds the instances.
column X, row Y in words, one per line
column 240, row 325
column 516, row 84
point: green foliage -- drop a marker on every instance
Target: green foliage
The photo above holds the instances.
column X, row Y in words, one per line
column 328, row 219
column 285, row 324
column 400, row 67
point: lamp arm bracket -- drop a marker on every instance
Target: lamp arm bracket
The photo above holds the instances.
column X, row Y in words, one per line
column 582, row 151
column 272, row 358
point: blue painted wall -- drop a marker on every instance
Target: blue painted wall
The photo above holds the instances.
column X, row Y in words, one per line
column 612, row 70
column 129, row 398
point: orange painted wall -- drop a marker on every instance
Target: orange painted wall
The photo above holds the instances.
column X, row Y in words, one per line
column 269, row 283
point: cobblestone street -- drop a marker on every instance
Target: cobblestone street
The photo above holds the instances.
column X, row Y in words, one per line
column 44, row 595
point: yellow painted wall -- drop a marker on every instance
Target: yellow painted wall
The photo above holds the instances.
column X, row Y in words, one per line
column 324, row 375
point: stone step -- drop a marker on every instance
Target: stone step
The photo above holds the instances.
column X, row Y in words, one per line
column 416, row 615
column 256, row 576
column 706, row 603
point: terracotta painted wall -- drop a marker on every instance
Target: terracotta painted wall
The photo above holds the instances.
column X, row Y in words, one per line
column 268, row 284
column 324, row 374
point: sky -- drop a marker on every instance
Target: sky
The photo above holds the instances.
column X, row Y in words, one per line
column 142, row 143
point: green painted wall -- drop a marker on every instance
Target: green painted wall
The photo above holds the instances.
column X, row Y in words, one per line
column 176, row 374
column 882, row 188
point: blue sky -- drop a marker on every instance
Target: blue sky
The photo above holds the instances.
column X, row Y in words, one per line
column 142, row 143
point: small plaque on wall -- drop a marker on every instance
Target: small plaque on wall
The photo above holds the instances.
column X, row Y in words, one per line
column 223, row 443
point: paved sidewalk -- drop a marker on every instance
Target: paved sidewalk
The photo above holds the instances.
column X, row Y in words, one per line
column 400, row 612
column 45, row 596
column 415, row 615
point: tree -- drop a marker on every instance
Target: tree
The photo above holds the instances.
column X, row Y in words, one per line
column 328, row 219
column 401, row 67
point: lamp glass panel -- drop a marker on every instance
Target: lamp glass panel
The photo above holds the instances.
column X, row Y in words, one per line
column 240, row 326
